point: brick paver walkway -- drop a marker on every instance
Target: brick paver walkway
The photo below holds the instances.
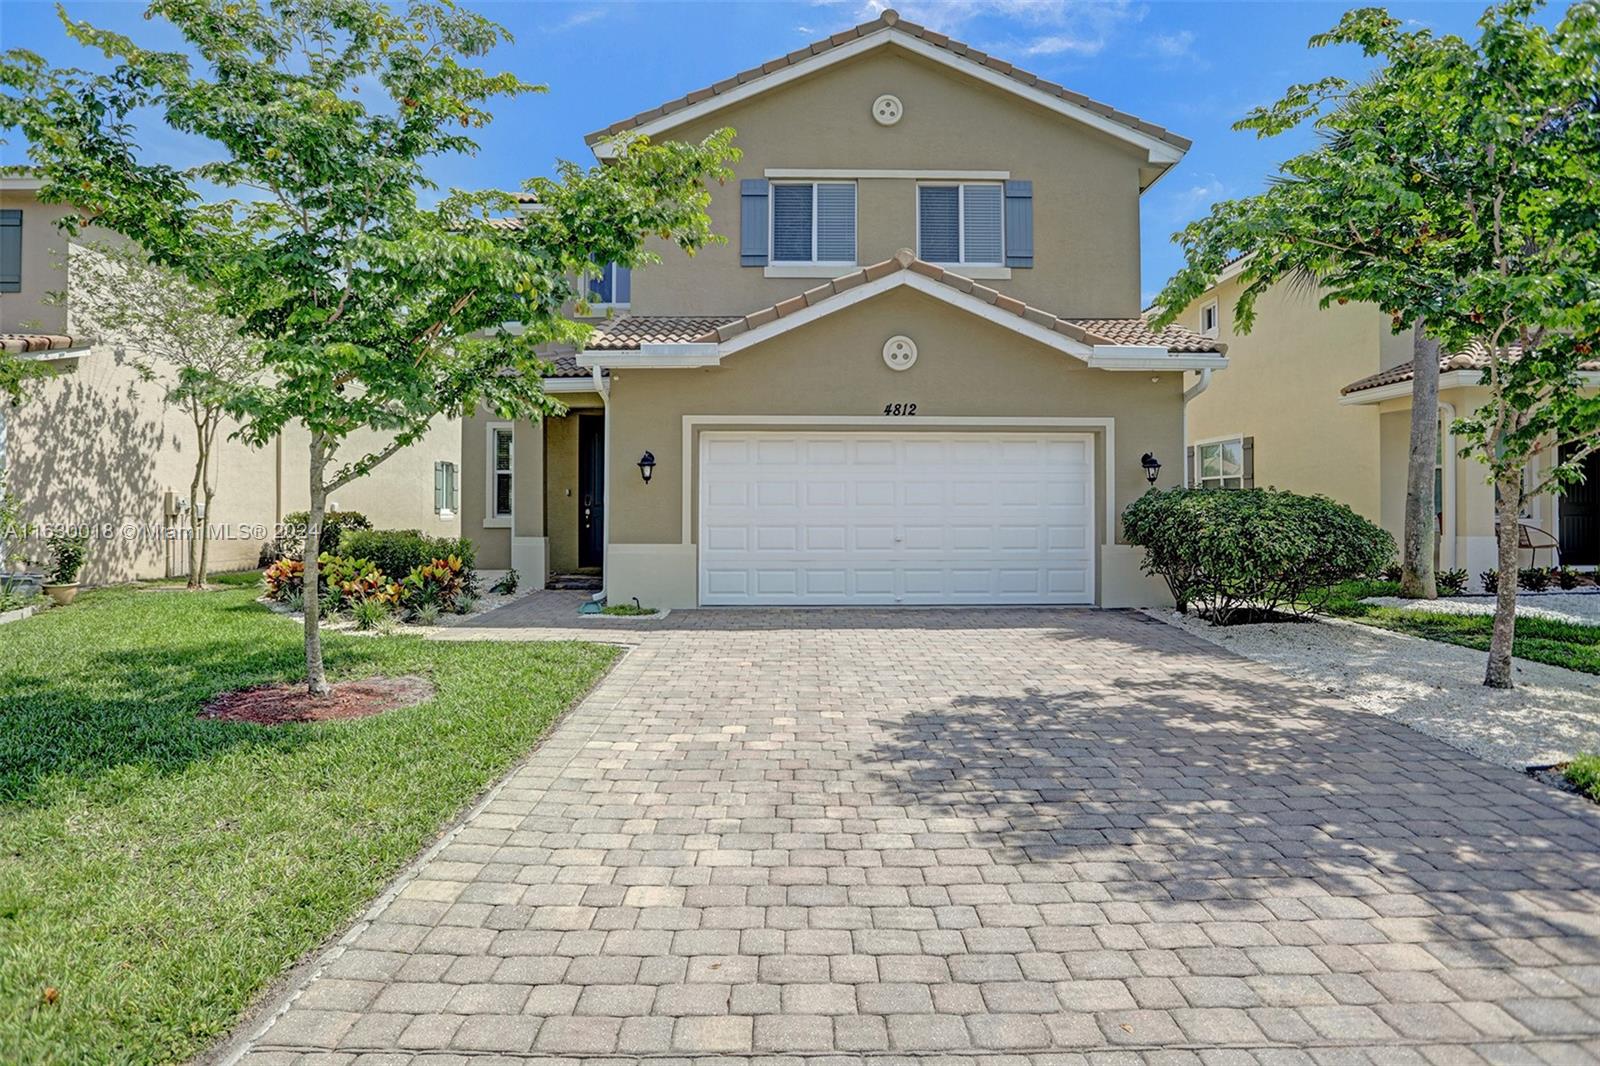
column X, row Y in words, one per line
column 975, row 837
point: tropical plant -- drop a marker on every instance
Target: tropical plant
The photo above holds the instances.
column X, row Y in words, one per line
column 13, row 529
column 506, row 585
column 165, row 326
column 439, row 582
column 1489, row 579
column 1533, row 578
column 285, row 578
column 1566, row 577
column 1250, row 554
column 68, row 550
column 425, row 614
column 348, row 581
column 1452, row 582
column 1455, row 188
column 370, row 613
column 376, row 314
column 291, row 534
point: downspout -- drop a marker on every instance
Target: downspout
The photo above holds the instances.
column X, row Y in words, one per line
column 1190, row 393
column 603, row 387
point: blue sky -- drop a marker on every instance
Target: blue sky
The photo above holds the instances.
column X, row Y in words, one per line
column 1194, row 67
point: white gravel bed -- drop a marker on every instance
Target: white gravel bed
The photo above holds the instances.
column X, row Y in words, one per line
column 1434, row 688
column 1582, row 608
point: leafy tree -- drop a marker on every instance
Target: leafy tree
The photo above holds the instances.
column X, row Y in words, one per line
column 171, row 335
column 1457, row 189
column 374, row 312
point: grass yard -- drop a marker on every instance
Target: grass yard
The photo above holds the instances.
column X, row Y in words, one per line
column 158, row 871
column 1542, row 640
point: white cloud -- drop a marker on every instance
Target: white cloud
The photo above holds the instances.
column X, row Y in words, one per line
column 1173, row 45
column 1028, row 27
column 578, row 18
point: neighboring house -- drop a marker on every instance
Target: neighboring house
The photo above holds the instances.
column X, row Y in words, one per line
column 95, row 445
column 1319, row 401
column 916, row 374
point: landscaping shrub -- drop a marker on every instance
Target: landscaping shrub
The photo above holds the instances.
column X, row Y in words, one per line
column 1392, row 572
column 291, row 539
column 1584, row 774
column 1566, row 577
column 397, row 552
column 506, row 585
column 285, row 578
column 1246, row 554
column 1490, row 580
column 1451, row 582
column 68, row 549
column 440, row 582
column 1533, row 578
column 370, row 613
column 347, row 582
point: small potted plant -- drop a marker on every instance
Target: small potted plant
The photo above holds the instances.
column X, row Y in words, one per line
column 67, row 551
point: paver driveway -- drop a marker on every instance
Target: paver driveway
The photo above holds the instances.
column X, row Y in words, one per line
column 970, row 834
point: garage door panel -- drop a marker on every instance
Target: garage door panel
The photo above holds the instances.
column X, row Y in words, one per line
column 912, row 518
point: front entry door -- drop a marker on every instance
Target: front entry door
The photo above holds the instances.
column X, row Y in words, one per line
column 591, row 489
column 1580, row 517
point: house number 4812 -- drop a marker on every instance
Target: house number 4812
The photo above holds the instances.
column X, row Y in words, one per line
column 902, row 409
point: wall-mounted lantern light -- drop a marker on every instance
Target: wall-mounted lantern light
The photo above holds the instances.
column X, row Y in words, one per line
column 1152, row 467
column 647, row 466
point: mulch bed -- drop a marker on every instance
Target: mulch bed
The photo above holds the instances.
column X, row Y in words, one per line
column 280, row 704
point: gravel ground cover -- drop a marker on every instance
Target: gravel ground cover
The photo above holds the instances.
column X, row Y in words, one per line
column 1433, row 687
column 1581, row 608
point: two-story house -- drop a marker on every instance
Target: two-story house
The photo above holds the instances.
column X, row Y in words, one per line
column 96, row 446
column 916, row 374
column 1319, row 401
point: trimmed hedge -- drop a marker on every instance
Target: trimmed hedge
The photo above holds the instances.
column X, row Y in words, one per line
column 290, row 543
column 397, row 552
column 1241, row 555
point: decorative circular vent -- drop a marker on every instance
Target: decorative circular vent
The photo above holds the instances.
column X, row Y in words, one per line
column 899, row 352
column 887, row 109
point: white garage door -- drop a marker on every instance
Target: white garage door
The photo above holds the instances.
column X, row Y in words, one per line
column 896, row 518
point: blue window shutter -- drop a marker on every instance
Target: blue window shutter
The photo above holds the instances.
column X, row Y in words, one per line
column 11, row 250
column 621, row 284
column 753, row 222
column 452, row 494
column 1019, row 223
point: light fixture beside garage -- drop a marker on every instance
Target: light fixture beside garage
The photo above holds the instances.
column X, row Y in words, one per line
column 899, row 352
column 1152, row 467
column 647, row 466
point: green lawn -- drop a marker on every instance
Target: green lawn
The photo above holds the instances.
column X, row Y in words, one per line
column 157, row 870
column 1539, row 639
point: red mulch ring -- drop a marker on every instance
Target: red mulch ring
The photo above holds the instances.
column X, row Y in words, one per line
column 278, row 704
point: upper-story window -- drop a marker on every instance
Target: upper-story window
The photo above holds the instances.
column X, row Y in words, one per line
column 814, row 222
column 1208, row 319
column 612, row 285
column 962, row 223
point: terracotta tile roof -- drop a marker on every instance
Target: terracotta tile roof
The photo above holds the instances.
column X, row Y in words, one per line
column 25, row 343
column 887, row 19
column 628, row 332
column 1474, row 358
column 632, row 331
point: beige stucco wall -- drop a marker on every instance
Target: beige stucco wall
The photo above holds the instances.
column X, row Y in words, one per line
column 1282, row 388
column 967, row 367
column 1085, row 184
column 96, row 445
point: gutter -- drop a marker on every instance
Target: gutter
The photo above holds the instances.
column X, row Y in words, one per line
column 1190, row 393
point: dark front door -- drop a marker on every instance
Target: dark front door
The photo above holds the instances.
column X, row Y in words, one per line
column 1580, row 517
column 591, row 489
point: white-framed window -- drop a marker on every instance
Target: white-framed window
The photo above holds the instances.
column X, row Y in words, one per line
column 611, row 286
column 961, row 223
column 814, row 222
column 501, row 474
column 1209, row 319
column 1219, row 464
column 446, row 489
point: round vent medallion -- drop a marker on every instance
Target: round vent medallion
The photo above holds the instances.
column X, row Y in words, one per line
column 887, row 110
column 900, row 352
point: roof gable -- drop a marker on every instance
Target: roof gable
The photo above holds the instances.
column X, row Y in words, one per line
column 1163, row 148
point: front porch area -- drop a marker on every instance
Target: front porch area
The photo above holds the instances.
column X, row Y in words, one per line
column 533, row 493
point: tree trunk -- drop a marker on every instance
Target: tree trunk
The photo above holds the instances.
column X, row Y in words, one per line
column 208, row 488
column 1507, row 509
column 316, row 677
column 1417, row 578
column 197, row 579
